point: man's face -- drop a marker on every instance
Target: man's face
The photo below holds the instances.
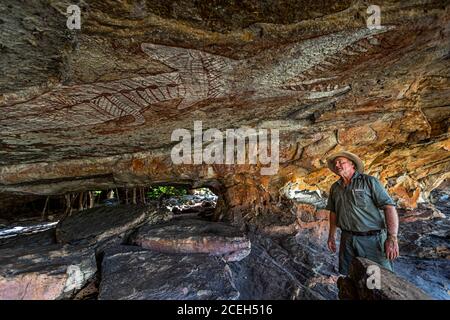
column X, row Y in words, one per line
column 343, row 166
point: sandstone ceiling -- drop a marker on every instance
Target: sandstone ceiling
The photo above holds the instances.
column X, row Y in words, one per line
column 95, row 108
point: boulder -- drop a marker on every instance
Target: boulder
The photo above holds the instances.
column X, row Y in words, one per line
column 194, row 236
column 133, row 273
column 44, row 272
column 391, row 286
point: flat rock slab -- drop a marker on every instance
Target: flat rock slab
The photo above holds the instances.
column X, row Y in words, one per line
column 39, row 239
column 194, row 236
column 100, row 223
column 44, row 273
column 133, row 273
column 422, row 213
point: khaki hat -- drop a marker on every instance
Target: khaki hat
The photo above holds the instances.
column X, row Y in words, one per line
column 350, row 156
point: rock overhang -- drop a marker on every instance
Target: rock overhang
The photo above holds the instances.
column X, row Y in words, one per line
column 104, row 115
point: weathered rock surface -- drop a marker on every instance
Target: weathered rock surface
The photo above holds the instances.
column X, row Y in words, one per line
column 39, row 239
column 200, row 203
column 194, row 236
column 313, row 261
column 287, row 266
column 423, row 238
column 97, row 224
column 35, row 266
column 44, row 272
column 426, row 239
column 272, row 272
column 425, row 232
column 440, row 197
column 89, row 291
column 392, row 287
column 135, row 273
column 422, row 212
column 95, row 108
column 430, row 275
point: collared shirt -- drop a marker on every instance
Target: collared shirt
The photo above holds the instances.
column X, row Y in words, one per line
column 357, row 205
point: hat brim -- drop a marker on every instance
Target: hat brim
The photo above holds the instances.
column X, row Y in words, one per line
column 359, row 164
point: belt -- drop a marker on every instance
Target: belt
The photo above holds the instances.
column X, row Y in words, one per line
column 366, row 233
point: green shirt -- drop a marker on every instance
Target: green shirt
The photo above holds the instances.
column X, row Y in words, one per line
column 357, row 204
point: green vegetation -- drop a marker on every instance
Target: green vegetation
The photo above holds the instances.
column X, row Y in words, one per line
column 156, row 192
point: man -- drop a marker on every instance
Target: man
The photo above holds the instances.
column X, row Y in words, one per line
column 354, row 203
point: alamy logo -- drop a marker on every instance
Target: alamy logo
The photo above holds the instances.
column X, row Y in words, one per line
column 373, row 277
column 74, row 18
column 374, row 19
column 235, row 151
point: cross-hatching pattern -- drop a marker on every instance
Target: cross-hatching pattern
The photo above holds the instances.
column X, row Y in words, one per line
column 92, row 104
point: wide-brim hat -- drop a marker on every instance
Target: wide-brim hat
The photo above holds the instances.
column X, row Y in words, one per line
column 350, row 156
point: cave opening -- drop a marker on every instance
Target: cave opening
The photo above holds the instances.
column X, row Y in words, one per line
column 27, row 214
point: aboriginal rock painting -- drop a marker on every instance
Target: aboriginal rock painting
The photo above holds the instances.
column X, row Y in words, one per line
column 310, row 69
column 315, row 66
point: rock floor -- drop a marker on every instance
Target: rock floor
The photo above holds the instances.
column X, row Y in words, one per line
column 144, row 252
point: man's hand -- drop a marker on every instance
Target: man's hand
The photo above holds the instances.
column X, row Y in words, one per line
column 391, row 243
column 391, row 247
column 331, row 244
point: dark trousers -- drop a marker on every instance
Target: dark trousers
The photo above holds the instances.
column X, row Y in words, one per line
column 370, row 247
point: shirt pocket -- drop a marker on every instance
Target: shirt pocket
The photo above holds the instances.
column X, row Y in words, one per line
column 360, row 197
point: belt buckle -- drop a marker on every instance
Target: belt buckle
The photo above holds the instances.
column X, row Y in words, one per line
column 372, row 232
